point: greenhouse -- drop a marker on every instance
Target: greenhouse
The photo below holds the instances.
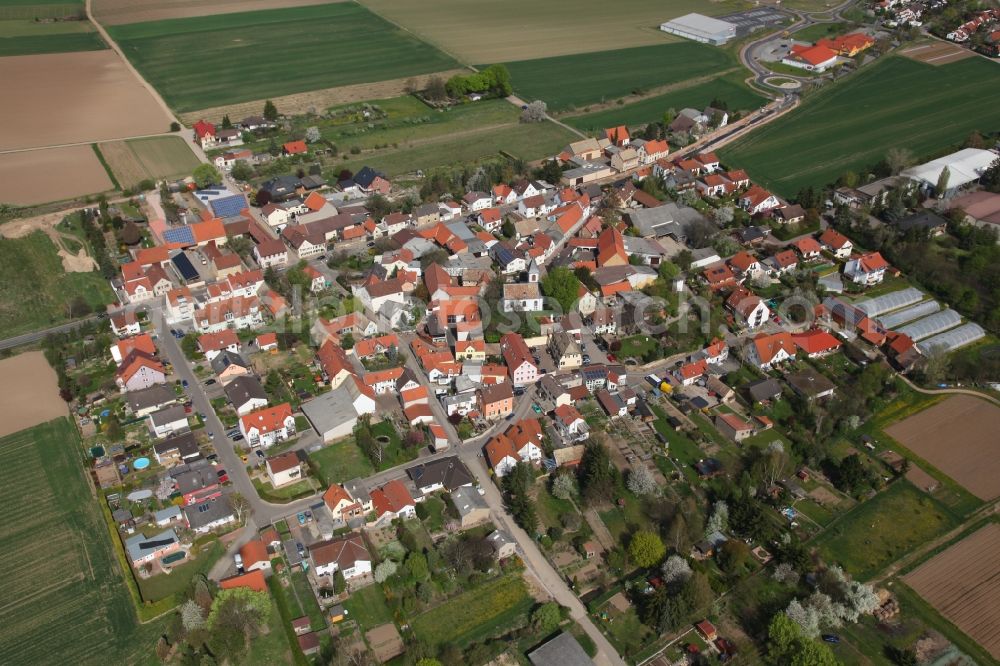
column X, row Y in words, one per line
column 928, row 326
column 873, row 307
column 900, row 317
column 953, row 339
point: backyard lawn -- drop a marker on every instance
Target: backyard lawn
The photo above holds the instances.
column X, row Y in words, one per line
column 179, row 578
column 637, row 346
column 476, row 613
column 368, row 608
column 341, row 462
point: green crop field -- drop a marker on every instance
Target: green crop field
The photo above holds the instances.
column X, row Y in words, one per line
column 64, row 600
column 37, row 9
column 849, row 126
column 879, row 531
column 225, row 59
column 736, row 96
column 31, row 272
column 574, row 81
column 475, row 613
column 164, row 156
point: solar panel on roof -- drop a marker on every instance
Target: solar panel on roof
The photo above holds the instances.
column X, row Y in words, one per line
column 185, row 267
column 228, row 206
column 179, row 235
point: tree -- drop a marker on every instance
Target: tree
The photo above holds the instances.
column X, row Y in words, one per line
column 192, row 615
column 339, row 582
column 786, row 573
column 175, row 126
column 435, row 90
column 130, row 233
column 733, row 557
column 546, row 617
column 385, row 571
column 347, row 341
column 240, row 609
column 646, row 549
column 270, row 111
column 240, row 505
column 598, row 476
column 942, row 182
column 564, row 487
column 226, row 122
column 641, row 482
column 427, row 661
column 312, row 134
column 242, row 171
column 675, row 570
column 898, row 159
column 205, row 175
column 536, row 112
column 560, row 285
column 507, row 229
column 788, row 646
column 416, row 564
column 719, row 521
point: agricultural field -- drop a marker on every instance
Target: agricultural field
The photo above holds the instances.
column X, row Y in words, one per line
column 30, row 10
column 881, row 530
column 959, row 437
column 495, row 32
column 64, row 599
column 32, row 272
column 152, row 158
column 962, row 583
column 202, row 62
column 51, row 174
column 37, row 398
column 561, row 82
column 73, row 98
column 849, row 126
column 28, row 37
column 736, row 95
column 474, row 614
column 116, row 12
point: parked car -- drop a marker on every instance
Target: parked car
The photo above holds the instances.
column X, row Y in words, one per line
column 209, row 382
column 301, row 518
column 187, row 409
column 260, row 454
column 831, row 638
column 301, row 549
column 237, row 437
column 184, row 383
column 239, row 562
column 536, row 408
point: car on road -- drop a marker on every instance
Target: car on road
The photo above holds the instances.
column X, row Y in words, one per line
column 237, row 437
column 301, row 517
column 536, row 408
column 184, row 383
column 301, row 549
column 831, row 638
column 223, row 477
column 188, row 403
column 612, row 358
column 209, row 382
column 214, row 458
column 187, row 410
column 260, row 454
column 586, row 359
column 211, row 435
column 519, row 391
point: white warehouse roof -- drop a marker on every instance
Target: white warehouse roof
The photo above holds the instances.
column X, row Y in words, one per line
column 965, row 166
column 701, row 28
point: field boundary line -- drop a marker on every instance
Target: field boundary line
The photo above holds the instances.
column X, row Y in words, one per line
column 88, row 143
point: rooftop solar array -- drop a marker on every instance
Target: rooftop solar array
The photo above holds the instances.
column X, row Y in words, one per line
column 900, row 317
column 953, row 339
column 928, row 326
column 894, row 300
column 228, row 206
column 179, row 235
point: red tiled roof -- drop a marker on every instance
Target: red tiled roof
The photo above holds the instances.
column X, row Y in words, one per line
column 768, row 346
column 254, row 580
column 268, row 419
column 218, row 341
column 393, row 497
column 815, row 341
column 253, row 552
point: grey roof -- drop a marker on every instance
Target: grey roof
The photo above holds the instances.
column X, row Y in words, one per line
column 666, row 220
column 242, row 389
column 873, row 307
column 154, row 396
column 184, row 443
column 563, row 650
column 467, row 500
column 764, row 389
column 227, row 358
column 922, row 220
column 637, row 245
column 168, row 415
column 499, row 538
column 953, row 339
column 358, row 490
column 139, row 545
column 169, row 513
column 205, row 513
column 331, row 410
column 905, row 315
column 932, row 325
column 809, row 382
column 195, row 478
column 448, row 471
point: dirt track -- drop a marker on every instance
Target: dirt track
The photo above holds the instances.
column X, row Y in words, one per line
column 65, row 98
column 72, row 263
column 36, row 399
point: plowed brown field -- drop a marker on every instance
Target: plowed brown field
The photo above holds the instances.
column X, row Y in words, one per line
column 963, row 584
column 74, row 97
column 51, row 174
column 959, row 437
column 117, row 12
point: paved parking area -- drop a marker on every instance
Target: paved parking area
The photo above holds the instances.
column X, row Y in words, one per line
column 754, row 19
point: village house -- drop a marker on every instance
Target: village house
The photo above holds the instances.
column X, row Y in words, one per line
column 167, row 421
column 570, row 423
column 767, row 350
column 734, row 427
column 284, row 469
column 520, row 442
column 866, row 270
column 346, row 554
column 265, row 427
column 519, row 360
column 245, row 394
column 749, row 307
column 392, row 501
column 565, row 350
column 835, row 242
column 496, row 401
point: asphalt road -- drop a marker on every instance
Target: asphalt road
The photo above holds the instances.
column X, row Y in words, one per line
column 35, row 336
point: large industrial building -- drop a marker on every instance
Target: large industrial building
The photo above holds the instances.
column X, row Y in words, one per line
column 701, row 28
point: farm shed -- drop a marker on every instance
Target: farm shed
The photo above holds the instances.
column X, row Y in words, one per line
column 899, row 317
column 928, row 326
column 953, row 339
column 894, row 300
